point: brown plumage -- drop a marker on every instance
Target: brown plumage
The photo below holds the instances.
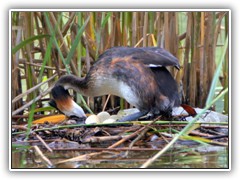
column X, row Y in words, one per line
column 139, row 75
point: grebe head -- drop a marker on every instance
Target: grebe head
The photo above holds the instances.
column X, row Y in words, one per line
column 64, row 103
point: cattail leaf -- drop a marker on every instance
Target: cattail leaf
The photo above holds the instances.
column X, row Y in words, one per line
column 76, row 41
column 27, row 41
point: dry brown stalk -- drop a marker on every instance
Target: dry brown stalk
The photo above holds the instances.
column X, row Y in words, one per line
column 42, row 156
column 42, row 141
column 94, row 139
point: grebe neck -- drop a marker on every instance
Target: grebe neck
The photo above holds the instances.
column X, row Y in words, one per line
column 78, row 84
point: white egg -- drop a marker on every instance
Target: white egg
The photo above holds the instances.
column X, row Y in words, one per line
column 92, row 119
column 109, row 121
column 102, row 116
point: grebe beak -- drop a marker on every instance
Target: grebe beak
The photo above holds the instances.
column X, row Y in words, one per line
column 64, row 103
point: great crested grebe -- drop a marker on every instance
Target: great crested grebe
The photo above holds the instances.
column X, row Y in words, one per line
column 139, row 75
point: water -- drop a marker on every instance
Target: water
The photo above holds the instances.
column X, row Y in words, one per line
column 178, row 157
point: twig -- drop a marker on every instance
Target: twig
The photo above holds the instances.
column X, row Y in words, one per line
column 196, row 133
column 26, row 116
column 147, row 127
column 163, row 137
column 101, row 139
column 42, row 141
column 68, row 23
column 219, row 143
column 127, row 138
column 80, row 158
column 104, row 149
column 43, row 157
column 141, row 40
column 162, row 123
column 32, row 89
column 105, row 104
column 32, row 101
column 21, row 127
column 46, row 67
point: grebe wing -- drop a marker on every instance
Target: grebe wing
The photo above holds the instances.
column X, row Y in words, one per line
column 151, row 56
column 159, row 56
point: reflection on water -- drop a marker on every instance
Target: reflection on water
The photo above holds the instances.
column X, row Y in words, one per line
column 178, row 157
